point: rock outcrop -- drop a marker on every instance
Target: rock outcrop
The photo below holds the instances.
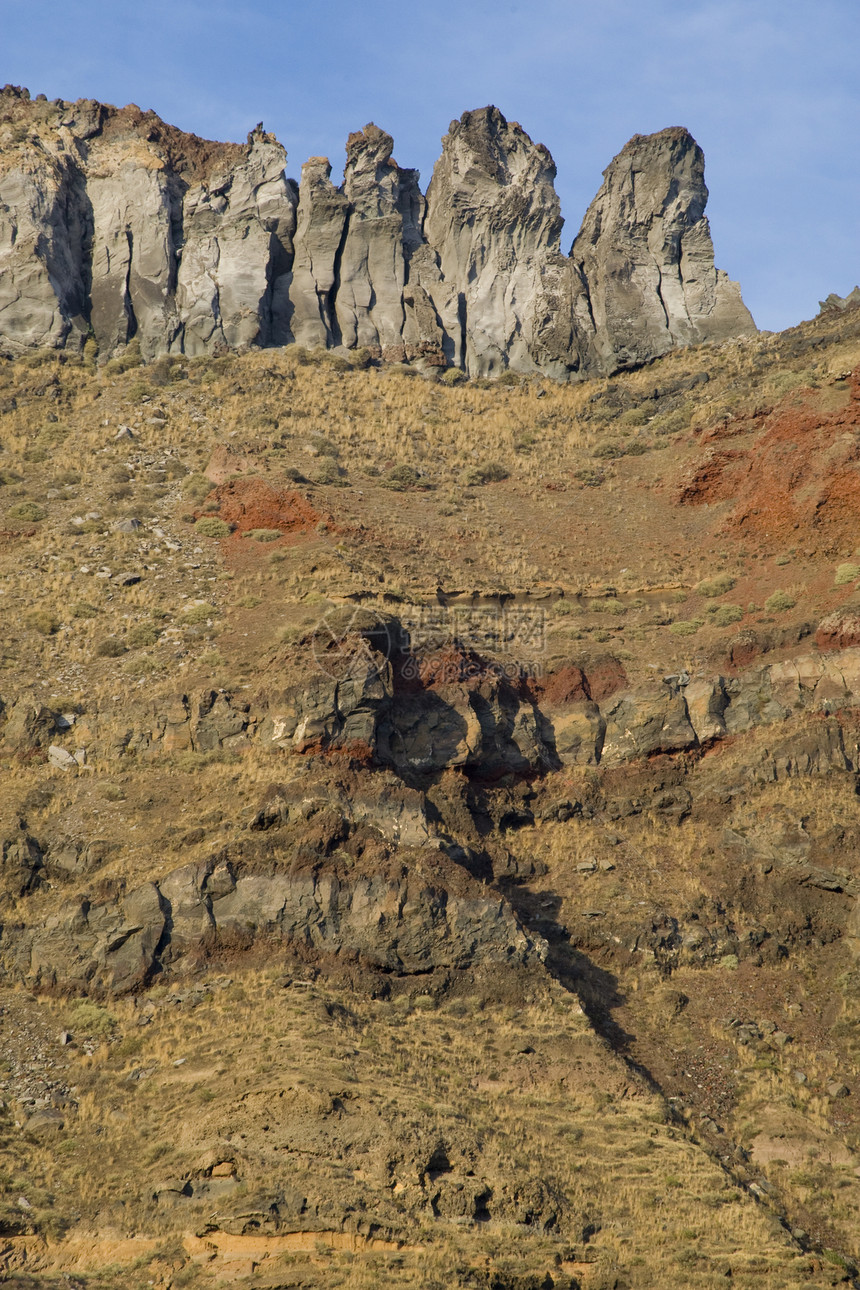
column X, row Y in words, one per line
column 114, row 225
column 493, row 217
column 646, row 254
column 408, row 913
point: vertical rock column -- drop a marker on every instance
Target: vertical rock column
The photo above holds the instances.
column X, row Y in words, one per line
column 646, row 253
column 238, row 224
column 372, row 264
column 309, row 317
column 45, row 229
column 133, row 201
column 493, row 220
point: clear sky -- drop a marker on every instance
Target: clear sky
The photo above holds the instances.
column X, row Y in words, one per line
column 769, row 88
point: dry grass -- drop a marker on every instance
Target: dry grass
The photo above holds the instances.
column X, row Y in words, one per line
column 409, row 478
column 520, row 1098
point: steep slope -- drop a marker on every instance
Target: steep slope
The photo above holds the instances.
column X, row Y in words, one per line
column 406, row 877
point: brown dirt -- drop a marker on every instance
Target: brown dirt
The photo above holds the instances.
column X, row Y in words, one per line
column 555, row 689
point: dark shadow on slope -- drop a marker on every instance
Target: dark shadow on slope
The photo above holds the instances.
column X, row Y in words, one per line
column 596, row 989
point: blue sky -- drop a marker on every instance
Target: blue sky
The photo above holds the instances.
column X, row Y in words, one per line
column 768, row 87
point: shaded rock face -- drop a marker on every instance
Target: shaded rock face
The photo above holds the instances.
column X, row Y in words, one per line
column 411, row 914
column 114, row 222
column 117, row 225
column 646, row 255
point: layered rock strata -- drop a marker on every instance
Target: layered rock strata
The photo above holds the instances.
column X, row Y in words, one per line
column 116, row 226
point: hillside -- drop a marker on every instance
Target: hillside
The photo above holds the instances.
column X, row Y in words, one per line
column 429, row 827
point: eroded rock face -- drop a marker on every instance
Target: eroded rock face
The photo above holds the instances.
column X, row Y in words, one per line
column 112, row 221
column 409, row 913
column 117, row 225
column 646, row 254
column 45, row 231
column 493, row 216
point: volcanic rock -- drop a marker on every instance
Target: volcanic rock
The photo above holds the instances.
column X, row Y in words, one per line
column 646, row 254
column 118, row 226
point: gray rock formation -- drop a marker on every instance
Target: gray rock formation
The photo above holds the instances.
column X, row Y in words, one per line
column 493, row 217
column 308, row 307
column 646, row 254
column 410, row 915
column 115, row 225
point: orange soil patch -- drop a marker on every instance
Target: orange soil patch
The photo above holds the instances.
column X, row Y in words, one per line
column 555, row 689
column 253, row 504
column 802, row 473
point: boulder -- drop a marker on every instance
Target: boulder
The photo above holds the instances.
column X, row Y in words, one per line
column 638, row 725
column 29, row 725
column 21, row 862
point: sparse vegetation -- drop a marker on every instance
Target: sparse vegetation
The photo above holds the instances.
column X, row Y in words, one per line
column 212, row 527
column 701, row 863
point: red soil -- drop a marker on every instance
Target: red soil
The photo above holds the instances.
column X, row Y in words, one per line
column 253, row 504
column 801, row 474
column 570, row 684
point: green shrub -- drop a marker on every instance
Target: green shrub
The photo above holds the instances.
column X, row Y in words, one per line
column 210, row 526
column 686, row 627
column 83, row 609
column 633, row 417
column 90, row 1019
column 110, row 647
column 718, row 586
column 330, row 473
column 489, row 473
column 141, row 635
column 401, row 477
column 672, row 422
column 198, row 613
column 264, row 535
column 592, row 478
column 728, row 614
column 609, row 606
column 778, row 602
column 28, row 512
column 609, row 451
column 324, row 446
column 127, row 358
column 195, row 487
column 846, row 573
column 453, row 376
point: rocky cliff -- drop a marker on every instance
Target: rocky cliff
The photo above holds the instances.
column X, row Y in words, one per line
column 116, row 226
